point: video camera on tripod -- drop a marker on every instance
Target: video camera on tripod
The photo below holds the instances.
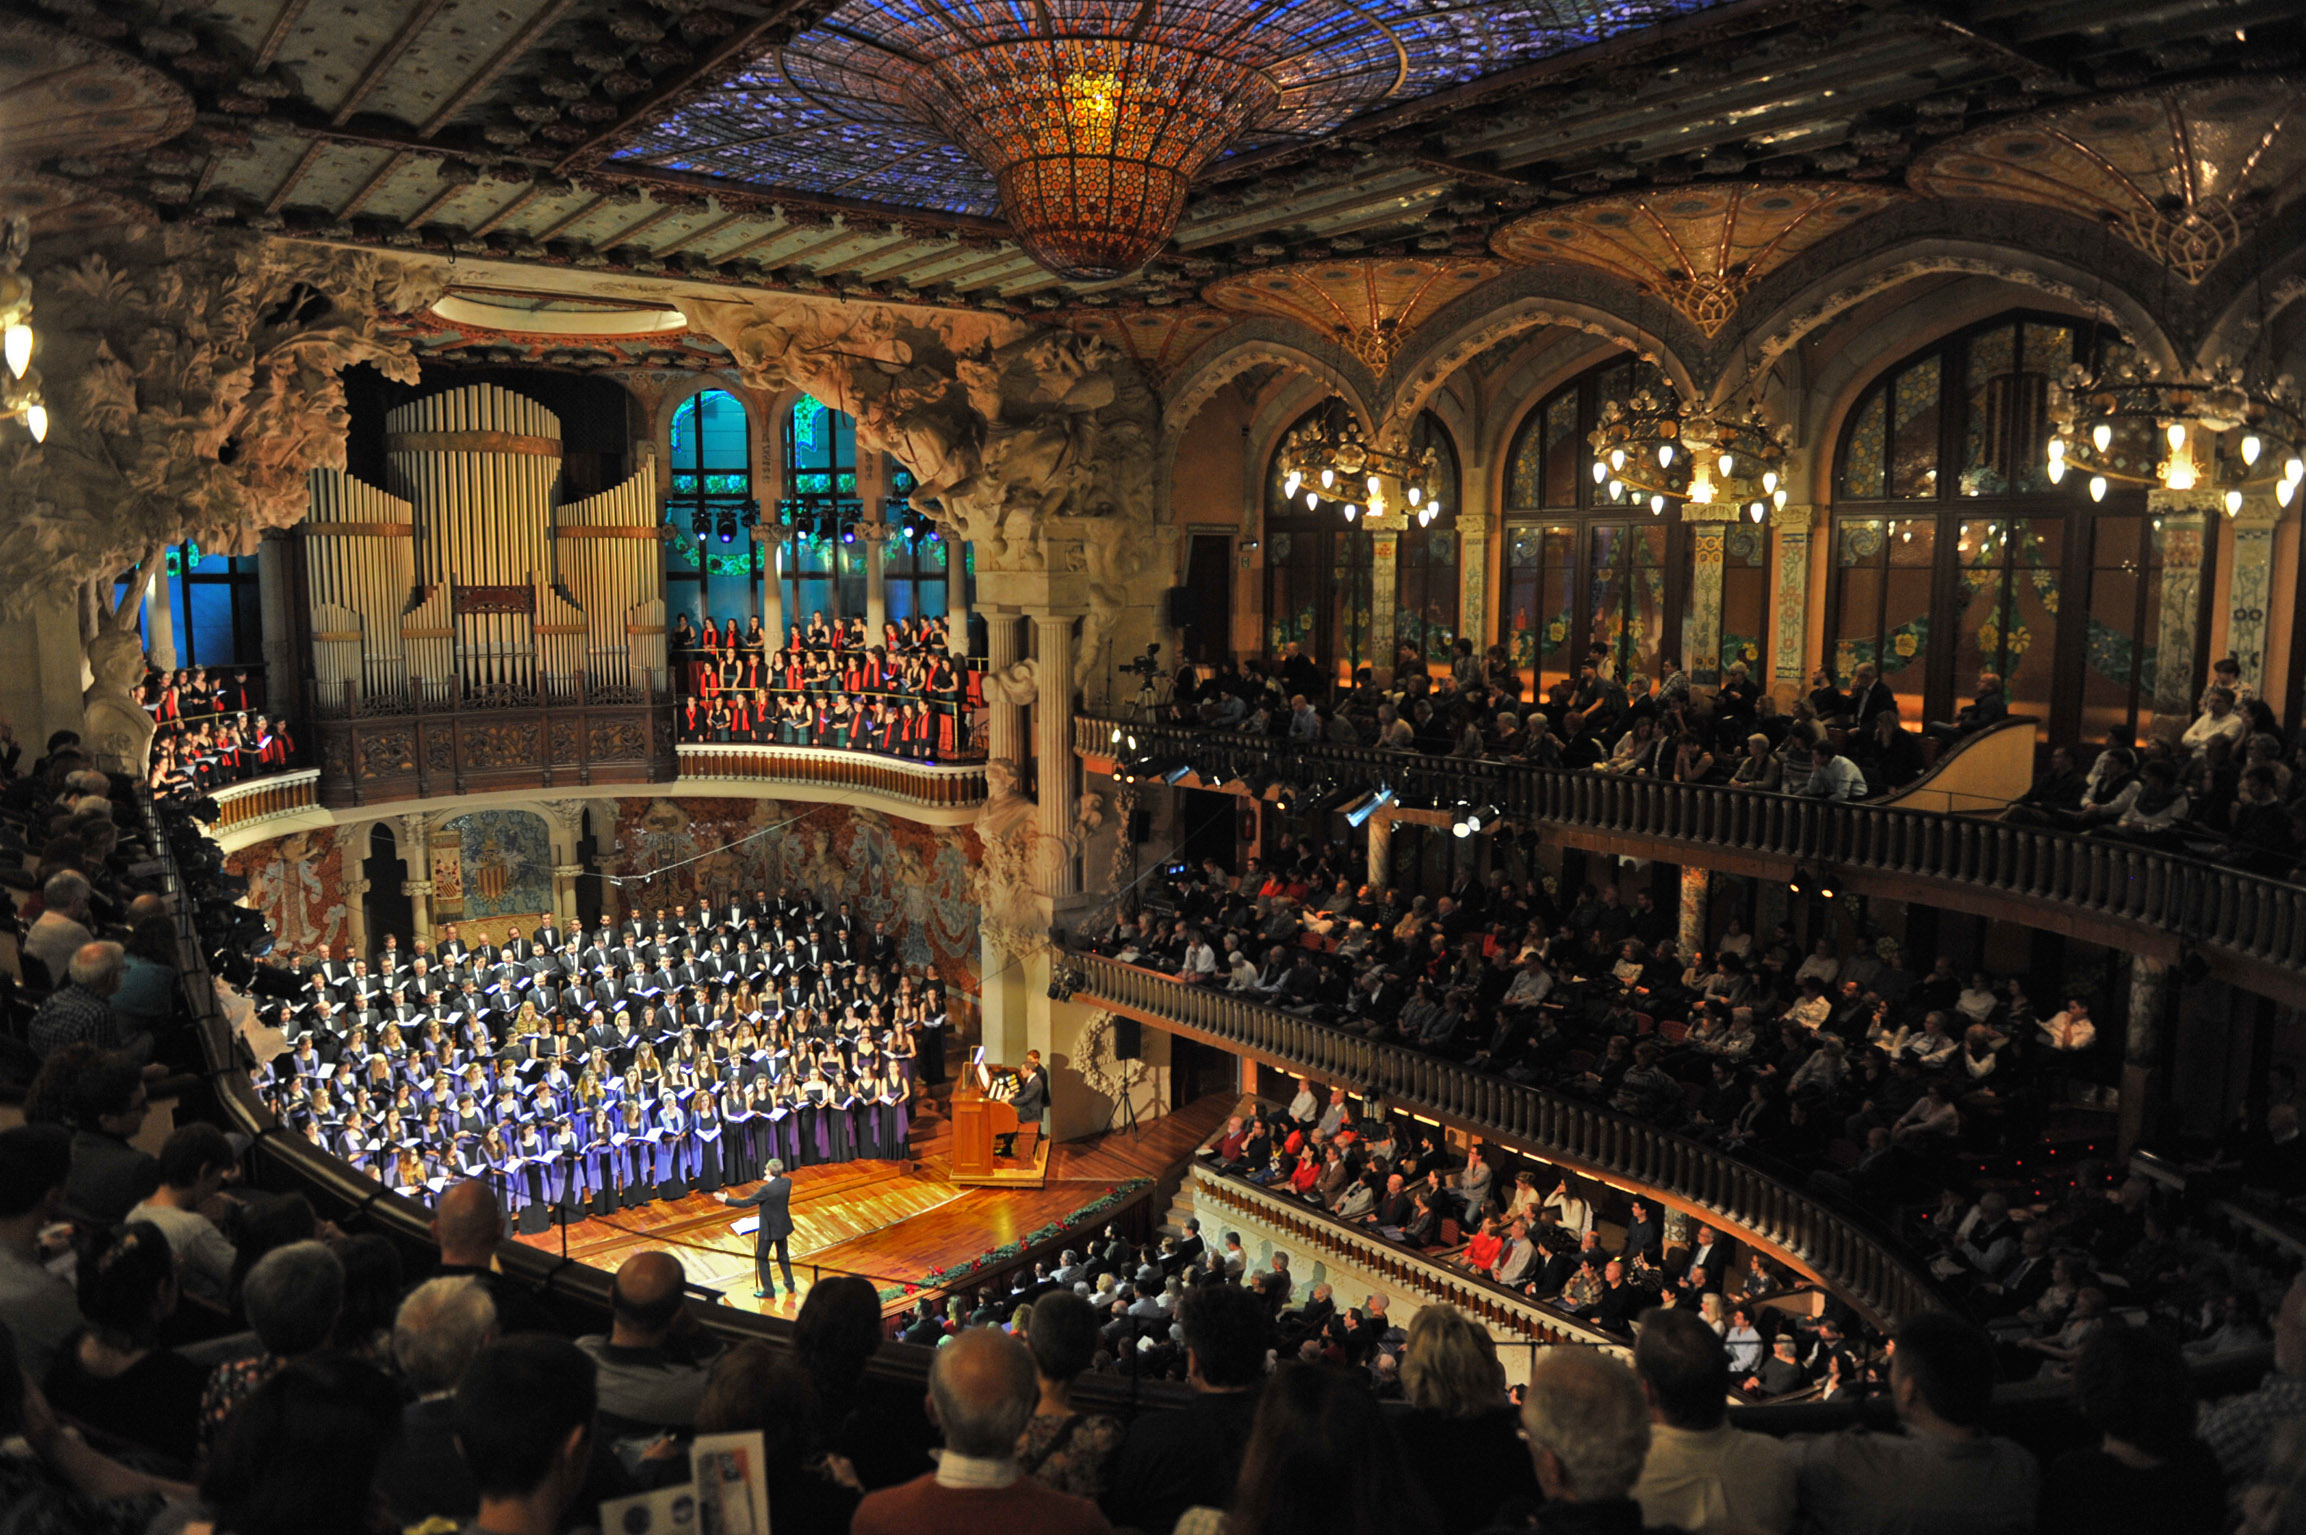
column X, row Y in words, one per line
column 1146, row 665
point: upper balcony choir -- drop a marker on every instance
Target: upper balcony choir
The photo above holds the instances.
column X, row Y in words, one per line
column 824, row 685
column 671, row 1052
column 210, row 731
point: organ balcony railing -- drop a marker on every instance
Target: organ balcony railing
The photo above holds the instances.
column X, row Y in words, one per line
column 2249, row 929
column 1841, row 1249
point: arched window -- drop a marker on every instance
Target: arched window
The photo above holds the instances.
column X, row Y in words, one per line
column 1953, row 554
column 712, row 565
column 1580, row 570
column 916, row 562
column 820, row 560
column 1425, row 569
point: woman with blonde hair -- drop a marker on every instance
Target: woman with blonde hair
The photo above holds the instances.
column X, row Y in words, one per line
column 1459, row 1414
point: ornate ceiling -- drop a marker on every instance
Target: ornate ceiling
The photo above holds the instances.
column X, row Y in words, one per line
column 1685, row 147
column 2182, row 172
column 1697, row 247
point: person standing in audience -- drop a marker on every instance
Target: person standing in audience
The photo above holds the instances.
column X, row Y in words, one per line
column 651, row 1371
column 1943, row 1471
column 1189, row 1456
column 1457, row 1432
column 439, row 1330
column 1319, row 1458
column 982, row 1391
column 1062, row 1448
column 2148, row 1472
column 1588, row 1431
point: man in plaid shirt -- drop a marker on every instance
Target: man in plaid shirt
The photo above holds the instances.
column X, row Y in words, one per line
column 81, row 1011
column 2237, row 1429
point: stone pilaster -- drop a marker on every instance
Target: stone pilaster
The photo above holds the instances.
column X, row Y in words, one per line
column 1004, row 723
column 769, row 538
column 1473, row 588
column 160, row 618
column 875, row 537
column 1696, row 890
column 415, row 834
column 1790, row 602
column 1053, row 751
column 1384, row 599
column 1380, row 871
column 1701, row 633
column 2142, row 1044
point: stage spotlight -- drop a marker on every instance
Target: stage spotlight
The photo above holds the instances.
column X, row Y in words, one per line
column 726, row 527
column 1359, row 815
column 1178, row 774
column 1482, row 818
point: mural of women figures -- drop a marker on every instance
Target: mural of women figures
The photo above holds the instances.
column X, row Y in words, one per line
column 301, row 890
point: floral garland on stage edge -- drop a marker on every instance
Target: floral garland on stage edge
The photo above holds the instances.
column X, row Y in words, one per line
column 1010, row 1252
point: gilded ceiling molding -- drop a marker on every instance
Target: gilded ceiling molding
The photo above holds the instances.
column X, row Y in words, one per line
column 195, row 381
column 1700, row 248
column 2182, row 172
column 1370, row 307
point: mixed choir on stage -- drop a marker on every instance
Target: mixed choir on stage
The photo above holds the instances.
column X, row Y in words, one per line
column 824, row 686
column 666, row 1054
column 208, row 732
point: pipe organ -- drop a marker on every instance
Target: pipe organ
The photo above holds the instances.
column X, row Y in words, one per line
column 461, row 580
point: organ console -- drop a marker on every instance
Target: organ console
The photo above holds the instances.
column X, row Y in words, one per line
column 983, row 1120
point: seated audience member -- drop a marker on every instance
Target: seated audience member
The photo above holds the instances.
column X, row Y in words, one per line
column 56, row 1482
column 61, row 930
column 982, row 1391
column 1457, row 1411
column 878, row 1426
column 1063, row 1449
column 106, row 1103
column 300, row 1456
column 440, row 1329
column 194, row 1162
column 2239, row 1428
column 1190, row 1456
column 467, row 1225
column 2148, row 1471
column 1701, row 1474
column 755, row 1389
column 523, row 1417
column 115, row 1376
column 292, row 1297
column 1944, row 1471
column 1319, row 1458
column 39, row 1310
column 1588, row 1432
column 649, row 1375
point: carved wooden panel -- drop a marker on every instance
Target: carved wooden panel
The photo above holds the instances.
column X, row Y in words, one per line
column 565, row 749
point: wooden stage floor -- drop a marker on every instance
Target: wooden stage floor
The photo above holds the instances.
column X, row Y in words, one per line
column 890, row 1222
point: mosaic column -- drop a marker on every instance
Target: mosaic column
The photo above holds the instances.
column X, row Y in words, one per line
column 1473, row 599
column 1790, row 604
column 2142, row 1046
column 2184, row 517
column 1380, row 868
column 1701, row 634
column 1053, row 749
column 2253, row 587
column 1384, row 599
column 1696, row 890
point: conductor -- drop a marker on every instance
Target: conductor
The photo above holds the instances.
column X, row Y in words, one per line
column 773, row 1198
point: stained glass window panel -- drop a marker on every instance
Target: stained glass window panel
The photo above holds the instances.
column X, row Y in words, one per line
column 1914, row 431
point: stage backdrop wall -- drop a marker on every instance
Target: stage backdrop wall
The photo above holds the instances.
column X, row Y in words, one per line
column 495, row 866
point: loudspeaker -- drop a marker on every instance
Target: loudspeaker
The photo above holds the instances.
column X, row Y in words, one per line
column 1128, row 1039
column 1177, row 607
column 1140, row 827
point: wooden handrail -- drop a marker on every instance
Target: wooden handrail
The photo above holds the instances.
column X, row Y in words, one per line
column 943, row 785
column 2251, row 929
column 1880, row 1279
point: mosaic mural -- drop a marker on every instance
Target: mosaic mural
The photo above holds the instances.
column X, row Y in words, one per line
column 300, row 883
column 915, row 878
column 491, row 863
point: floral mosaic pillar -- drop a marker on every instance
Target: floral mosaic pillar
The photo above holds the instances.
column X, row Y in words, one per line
column 1384, row 593
column 2253, row 587
column 1701, row 635
column 1790, row 604
column 2185, row 519
column 1696, row 890
column 1473, row 604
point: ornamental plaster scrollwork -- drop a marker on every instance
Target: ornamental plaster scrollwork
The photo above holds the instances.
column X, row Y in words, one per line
column 195, row 382
column 1016, row 685
column 1097, row 1056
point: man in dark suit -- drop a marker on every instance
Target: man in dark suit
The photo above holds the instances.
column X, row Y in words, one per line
column 773, row 1199
column 1032, row 1097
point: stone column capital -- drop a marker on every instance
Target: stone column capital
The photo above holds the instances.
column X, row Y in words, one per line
column 413, row 888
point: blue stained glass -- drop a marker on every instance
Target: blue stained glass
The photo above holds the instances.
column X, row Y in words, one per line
column 684, row 484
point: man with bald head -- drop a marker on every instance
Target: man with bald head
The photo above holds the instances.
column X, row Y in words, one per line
column 982, row 1392
column 652, row 1361
column 468, row 1223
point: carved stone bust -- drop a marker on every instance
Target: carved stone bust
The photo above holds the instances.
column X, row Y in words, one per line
column 114, row 729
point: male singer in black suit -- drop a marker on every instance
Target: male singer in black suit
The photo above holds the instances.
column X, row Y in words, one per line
column 773, row 1198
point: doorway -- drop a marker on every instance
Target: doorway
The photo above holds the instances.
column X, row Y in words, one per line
column 1207, row 622
column 1196, row 1070
column 387, row 907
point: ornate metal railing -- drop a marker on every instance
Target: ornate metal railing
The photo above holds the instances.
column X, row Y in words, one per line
column 1402, row 1268
column 1863, row 1266
column 268, row 798
column 943, row 785
column 574, row 690
column 2112, row 891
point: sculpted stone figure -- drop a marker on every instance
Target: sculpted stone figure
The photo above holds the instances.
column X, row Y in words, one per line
column 114, row 728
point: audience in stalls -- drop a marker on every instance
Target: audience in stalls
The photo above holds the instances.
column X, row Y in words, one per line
column 439, row 1330
column 824, row 685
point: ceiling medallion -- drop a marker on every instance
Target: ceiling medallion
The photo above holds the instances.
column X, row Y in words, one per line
column 1331, row 458
column 1648, row 449
column 1697, row 247
column 2126, row 424
column 2182, row 172
column 1371, row 307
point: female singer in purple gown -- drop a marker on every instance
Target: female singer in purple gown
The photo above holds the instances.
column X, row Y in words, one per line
column 895, row 1119
column 672, row 1148
column 629, row 1148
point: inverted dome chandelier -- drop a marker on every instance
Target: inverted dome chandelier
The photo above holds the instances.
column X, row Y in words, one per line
column 2127, row 424
column 1332, row 459
column 1649, row 450
column 1094, row 116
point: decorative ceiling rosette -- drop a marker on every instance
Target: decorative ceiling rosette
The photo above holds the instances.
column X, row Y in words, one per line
column 1368, row 306
column 2182, row 172
column 1700, row 248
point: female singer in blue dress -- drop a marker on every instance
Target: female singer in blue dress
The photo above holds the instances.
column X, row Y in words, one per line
column 629, row 1155
column 705, row 1133
column 671, row 1137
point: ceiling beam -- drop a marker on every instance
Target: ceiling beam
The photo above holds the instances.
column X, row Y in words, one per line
column 500, row 61
column 520, row 200
column 694, row 235
column 375, row 184
column 445, row 196
column 551, row 231
column 277, row 34
column 296, row 173
column 381, row 65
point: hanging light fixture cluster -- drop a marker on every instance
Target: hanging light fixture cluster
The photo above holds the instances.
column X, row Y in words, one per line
column 2126, row 424
column 20, row 387
column 1330, row 458
column 1649, row 450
